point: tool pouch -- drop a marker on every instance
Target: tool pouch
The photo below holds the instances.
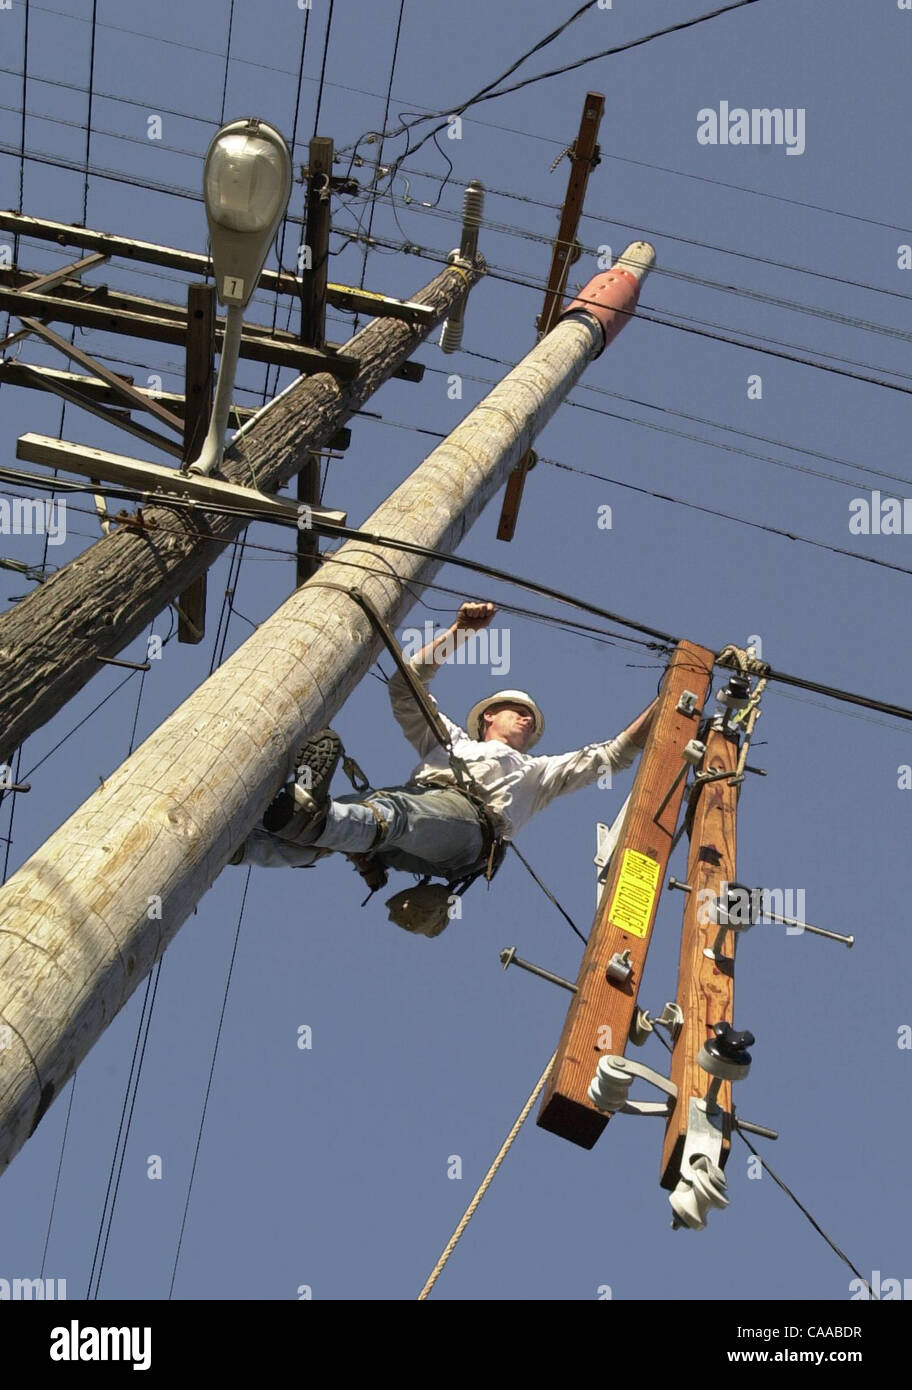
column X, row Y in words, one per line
column 423, row 909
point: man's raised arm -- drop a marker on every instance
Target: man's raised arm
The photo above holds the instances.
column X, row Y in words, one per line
column 471, row 617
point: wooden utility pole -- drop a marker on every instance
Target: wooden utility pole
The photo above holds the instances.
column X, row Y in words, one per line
column 50, row 643
column 83, row 921
column 602, row 1010
column 584, row 156
column 706, row 986
column 313, row 319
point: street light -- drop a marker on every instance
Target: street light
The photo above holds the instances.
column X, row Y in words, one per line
column 246, row 185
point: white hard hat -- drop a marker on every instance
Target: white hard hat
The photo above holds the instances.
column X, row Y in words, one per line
column 475, row 720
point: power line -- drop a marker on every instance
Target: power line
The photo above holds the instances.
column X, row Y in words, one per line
column 373, row 200
column 707, row 330
column 227, row 62
column 126, row 1118
column 678, row 434
column 488, row 125
column 218, row 1035
column 334, row 530
column 759, row 193
column 176, row 190
column 487, row 93
column 687, row 277
column 88, row 124
column 618, row 48
column 641, row 228
column 803, row 1209
column 329, row 20
column 66, row 1130
column 727, row 516
column 177, row 372
column 406, row 127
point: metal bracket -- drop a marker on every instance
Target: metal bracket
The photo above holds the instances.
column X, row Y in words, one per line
column 608, row 1088
column 606, row 840
column 671, row 1017
column 619, row 967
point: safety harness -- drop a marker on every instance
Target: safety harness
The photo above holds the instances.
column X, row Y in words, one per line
column 494, row 846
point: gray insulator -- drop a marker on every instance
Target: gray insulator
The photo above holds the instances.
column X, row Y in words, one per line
column 451, row 337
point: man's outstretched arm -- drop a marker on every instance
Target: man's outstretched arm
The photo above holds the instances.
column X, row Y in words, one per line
column 568, row 772
column 638, row 731
column 471, row 617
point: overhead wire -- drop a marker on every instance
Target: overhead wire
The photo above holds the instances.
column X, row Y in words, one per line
column 177, row 372
column 199, row 1133
column 154, row 978
column 181, row 191
column 637, row 226
column 120, row 98
column 767, row 346
column 406, row 127
column 120, row 1143
column 492, row 90
column 133, row 1079
column 803, row 1209
column 680, row 434
column 670, row 272
column 284, row 230
column 332, row 529
column 373, row 200
column 539, row 77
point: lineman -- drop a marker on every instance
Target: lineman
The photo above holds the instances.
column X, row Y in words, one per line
column 432, row 825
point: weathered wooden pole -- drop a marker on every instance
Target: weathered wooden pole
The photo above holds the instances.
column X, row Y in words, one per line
column 98, row 603
column 607, row 988
column 706, row 985
column 84, row 920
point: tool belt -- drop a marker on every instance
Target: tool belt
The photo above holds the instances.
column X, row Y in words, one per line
column 426, row 908
column 493, row 844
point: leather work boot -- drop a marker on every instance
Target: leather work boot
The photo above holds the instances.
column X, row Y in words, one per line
column 299, row 810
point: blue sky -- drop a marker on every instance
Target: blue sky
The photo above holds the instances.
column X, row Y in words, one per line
column 328, row 1167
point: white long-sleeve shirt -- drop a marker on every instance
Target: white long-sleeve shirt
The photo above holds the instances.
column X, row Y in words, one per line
column 515, row 785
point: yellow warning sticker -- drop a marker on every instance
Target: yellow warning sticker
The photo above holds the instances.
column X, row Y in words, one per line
column 635, row 893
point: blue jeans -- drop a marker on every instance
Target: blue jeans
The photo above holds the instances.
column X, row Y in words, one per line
column 425, row 830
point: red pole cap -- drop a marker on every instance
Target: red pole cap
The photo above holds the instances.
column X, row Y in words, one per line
column 611, row 297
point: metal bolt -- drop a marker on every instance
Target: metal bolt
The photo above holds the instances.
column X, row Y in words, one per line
column 509, row 957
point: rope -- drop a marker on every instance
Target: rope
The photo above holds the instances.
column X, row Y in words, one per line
column 486, row 1183
column 737, row 659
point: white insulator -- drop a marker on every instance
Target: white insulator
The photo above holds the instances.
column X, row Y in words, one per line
column 451, row 337
column 473, row 203
column 702, row 1189
column 608, row 1088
